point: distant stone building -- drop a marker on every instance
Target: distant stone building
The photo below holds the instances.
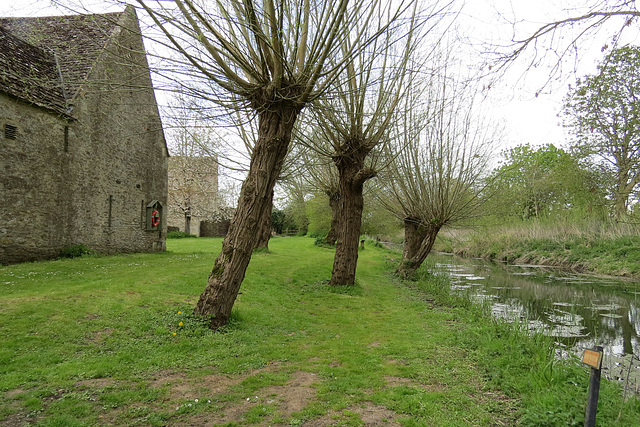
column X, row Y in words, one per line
column 83, row 159
column 193, row 192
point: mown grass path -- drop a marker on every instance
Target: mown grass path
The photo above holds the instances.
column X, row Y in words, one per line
column 111, row 341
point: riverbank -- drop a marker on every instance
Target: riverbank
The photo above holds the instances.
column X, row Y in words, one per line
column 587, row 249
column 111, row 341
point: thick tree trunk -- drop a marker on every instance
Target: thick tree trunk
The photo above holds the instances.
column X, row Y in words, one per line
column 408, row 266
column 621, row 207
column 352, row 178
column 625, row 184
column 264, row 234
column 274, row 135
column 414, row 234
column 334, row 204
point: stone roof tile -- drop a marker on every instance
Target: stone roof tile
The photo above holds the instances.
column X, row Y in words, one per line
column 77, row 41
column 29, row 73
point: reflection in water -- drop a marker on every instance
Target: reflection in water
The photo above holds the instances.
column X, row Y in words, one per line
column 579, row 311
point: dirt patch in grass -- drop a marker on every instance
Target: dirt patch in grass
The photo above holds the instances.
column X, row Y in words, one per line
column 16, row 418
column 370, row 415
column 96, row 383
column 99, row 336
column 178, row 384
column 295, row 395
column 13, row 393
column 280, row 402
column 289, row 398
column 216, row 384
column 182, row 387
column 374, row 415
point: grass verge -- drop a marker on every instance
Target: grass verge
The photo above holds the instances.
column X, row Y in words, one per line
column 598, row 248
column 111, row 341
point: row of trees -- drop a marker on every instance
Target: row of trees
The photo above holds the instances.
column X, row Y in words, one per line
column 348, row 81
column 270, row 62
column 595, row 177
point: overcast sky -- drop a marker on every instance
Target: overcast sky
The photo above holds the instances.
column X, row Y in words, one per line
column 527, row 118
column 530, row 118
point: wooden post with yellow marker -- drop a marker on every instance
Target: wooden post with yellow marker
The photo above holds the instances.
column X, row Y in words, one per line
column 593, row 358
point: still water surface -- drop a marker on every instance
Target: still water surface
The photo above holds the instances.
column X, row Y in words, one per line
column 579, row 311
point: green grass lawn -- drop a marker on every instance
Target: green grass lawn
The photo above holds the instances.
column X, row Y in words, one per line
column 111, row 341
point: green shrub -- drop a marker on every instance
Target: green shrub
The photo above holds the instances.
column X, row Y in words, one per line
column 179, row 235
column 75, row 251
column 319, row 241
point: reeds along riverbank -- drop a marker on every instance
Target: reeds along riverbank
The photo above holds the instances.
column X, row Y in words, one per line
column 611, row 249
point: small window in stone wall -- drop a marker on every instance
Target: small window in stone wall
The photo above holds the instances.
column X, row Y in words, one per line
column 10, row 131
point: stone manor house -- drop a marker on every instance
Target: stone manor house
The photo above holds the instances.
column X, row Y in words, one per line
column 83, row 159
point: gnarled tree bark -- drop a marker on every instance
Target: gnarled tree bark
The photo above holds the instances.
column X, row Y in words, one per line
column 264, row 233
column 421, row 239
column 275, row 127
column 334, row 204
column 352, row 176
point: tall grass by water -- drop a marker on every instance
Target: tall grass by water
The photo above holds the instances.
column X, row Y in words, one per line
column 598, row 247
column 112, row 341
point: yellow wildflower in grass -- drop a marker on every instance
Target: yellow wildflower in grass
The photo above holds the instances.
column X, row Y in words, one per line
column 174, row 333
column 179, row 312
column 180, row 324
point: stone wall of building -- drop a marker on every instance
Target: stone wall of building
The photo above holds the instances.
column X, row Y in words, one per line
column 120, row 156
column 214, row 228
column 88, row 180
column 34, row 183
column 193, row 192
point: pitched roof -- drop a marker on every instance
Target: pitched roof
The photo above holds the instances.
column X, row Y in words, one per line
column 72, row 44
column 29, row 73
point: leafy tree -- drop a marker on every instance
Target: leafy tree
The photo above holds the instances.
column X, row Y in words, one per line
column 278, row 220
column 282, row 221
column 319, row 216
column 376, row 218
column 320, row 176
column 603, row 113
column 295, row 194
column 537, row 182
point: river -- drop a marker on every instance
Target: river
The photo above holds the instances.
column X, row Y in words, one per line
column 579, row 311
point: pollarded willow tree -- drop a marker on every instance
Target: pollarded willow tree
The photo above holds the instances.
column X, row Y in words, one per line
column 325, row 179
column 320, row 174
column 436, row 178
column 271, row 58
column 356, row 120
